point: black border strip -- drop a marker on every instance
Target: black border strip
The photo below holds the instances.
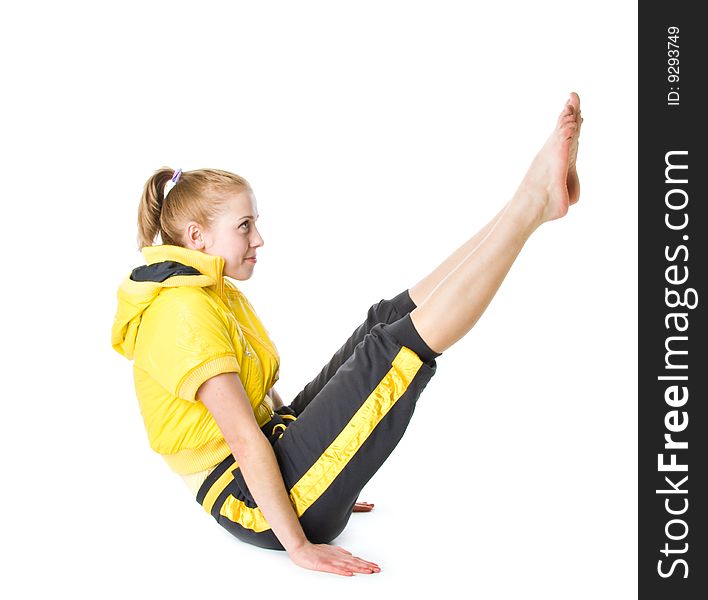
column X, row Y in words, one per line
column 672, row 292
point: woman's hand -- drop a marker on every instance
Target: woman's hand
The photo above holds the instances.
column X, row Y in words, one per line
column 363, row 507
column 330, row 559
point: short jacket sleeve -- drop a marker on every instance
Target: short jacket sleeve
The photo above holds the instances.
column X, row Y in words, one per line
column 184, row 340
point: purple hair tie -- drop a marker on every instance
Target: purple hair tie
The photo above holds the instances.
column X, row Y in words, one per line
column 172, row 182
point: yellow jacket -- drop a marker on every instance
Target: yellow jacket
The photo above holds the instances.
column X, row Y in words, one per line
column 182, row 323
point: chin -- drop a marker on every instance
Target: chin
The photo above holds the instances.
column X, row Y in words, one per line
column 239, row 276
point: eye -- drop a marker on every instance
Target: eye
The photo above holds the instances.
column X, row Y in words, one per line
column 246, row 223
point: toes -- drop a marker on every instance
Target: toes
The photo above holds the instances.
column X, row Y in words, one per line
column 565, row 113
column 574, row 101
column 570, row 122
column 569, row 119
column 579, row 121
column 571, row 109
column 568, row 130
column 568, row 125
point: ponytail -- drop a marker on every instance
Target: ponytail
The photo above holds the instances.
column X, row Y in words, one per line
column 150, row 207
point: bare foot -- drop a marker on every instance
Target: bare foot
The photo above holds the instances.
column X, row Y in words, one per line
column 572, row 182
column 552, row 178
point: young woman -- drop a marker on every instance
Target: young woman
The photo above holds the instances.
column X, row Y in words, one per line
column 288, row 476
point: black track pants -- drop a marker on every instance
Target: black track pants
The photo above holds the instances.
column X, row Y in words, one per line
column 337, row 432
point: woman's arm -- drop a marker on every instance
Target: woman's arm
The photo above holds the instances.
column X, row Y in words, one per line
column 226, row 399
column 233, row 414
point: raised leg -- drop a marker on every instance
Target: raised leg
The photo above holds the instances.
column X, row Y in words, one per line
column 550, row 186
column 421, row 290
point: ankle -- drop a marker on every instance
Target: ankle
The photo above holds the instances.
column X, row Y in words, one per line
column 527, row 210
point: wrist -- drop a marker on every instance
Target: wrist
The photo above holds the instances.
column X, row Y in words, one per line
column 296, row 545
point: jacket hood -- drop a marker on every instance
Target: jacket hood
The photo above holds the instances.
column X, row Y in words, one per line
column 167, row 266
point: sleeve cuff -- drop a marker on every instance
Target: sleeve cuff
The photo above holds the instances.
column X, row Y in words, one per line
column 190, row 384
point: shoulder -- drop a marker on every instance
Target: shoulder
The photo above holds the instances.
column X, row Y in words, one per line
column 185, row 299
column 187, row 308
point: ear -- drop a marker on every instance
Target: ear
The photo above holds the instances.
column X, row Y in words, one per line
column 194, row 236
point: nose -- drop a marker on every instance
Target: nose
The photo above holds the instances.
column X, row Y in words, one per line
column 256, row 239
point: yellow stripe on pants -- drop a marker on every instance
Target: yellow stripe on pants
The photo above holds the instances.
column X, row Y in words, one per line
column 336, row 457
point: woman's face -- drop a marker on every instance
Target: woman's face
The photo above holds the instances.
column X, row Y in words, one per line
column 233, row 236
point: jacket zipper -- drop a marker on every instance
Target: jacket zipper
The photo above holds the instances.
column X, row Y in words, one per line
column 268, row 347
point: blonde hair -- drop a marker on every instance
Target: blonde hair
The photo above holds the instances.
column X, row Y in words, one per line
column 198, row 196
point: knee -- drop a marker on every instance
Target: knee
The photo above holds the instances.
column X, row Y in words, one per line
column 381, row 312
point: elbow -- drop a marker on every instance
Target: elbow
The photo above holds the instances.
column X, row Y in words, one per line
column 246, row 446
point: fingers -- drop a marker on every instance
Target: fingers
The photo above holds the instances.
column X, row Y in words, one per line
column 349, row 564
column 363, row 507
column 356, row 565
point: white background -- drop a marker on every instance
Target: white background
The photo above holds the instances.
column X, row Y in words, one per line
column 378, row 136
